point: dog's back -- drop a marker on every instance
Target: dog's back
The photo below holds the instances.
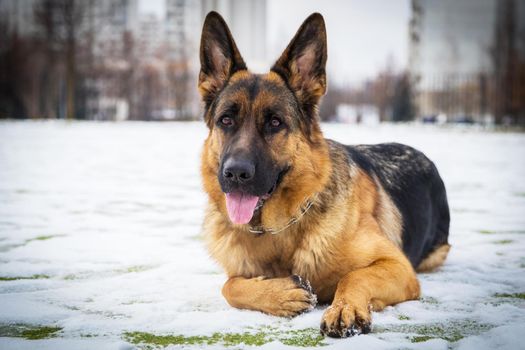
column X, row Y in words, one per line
column 413, row 183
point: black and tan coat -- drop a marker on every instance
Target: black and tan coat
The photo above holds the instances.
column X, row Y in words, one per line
column 346, row 225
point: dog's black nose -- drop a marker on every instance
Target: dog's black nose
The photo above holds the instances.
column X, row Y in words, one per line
column 238, row 170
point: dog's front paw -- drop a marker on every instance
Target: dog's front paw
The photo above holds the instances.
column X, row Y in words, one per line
column 295, row 296
column 343, row 320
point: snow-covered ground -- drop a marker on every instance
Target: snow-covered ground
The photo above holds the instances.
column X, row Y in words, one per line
column 100, row 239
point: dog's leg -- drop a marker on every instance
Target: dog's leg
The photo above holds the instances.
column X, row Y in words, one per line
column 386, row 281
column 288, row 296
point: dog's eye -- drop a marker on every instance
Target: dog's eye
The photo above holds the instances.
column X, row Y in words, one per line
column 226, row 121
column 275, row 122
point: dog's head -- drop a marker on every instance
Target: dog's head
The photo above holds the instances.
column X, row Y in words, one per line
column 265, row 151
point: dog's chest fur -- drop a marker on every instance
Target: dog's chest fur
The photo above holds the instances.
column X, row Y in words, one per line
column 248, row 255
column 309, row 248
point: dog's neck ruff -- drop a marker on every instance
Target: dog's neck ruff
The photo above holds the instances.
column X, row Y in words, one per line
column 295, row 219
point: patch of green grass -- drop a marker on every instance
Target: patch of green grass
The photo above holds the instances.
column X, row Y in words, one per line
column 107, row 273
column 43, row 238
column 403, row 317
column 16, row 278
column 70, row 277
column 30, row 332
column 491, row 232
column 504, row 241
column 134, row 269
column 8, row 247
column 307, row 337
column 451, row 331
column 40, row 333
column 420, row 338
column 198, row 237
column 152, row 340
column 137, row 268
column 233, row 339
column 303, row 337
column 508, row 295
column 487, row 232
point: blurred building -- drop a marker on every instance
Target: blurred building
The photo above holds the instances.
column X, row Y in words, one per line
column 454, row 37
column 182, row 26
column 110, row 20
column 114, row 62
column 454, row 45
column 106, row 21
column 248, row 23
column 149, row 36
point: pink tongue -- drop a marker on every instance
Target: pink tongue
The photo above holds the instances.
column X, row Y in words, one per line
column 240, row 207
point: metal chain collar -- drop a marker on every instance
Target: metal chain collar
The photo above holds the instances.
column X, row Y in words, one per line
column 261, row 229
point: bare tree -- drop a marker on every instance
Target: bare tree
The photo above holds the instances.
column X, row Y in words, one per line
column 62, row 22
column 128, row 75
column 50, row 76
column 148, row 89
column 335, row 96
column 508, row 92
column 22, row 62
column 179, row 79
column 402, row 104
column 383, row 89
column 14, row 69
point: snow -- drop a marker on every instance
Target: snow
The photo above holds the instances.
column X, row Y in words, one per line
column 111, row 213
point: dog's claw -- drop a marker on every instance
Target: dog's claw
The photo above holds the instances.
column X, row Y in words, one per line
column 333, row 325
column 302, row 283
column 305, row 285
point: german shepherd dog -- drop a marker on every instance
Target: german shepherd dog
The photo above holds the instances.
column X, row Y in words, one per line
column 291, row 213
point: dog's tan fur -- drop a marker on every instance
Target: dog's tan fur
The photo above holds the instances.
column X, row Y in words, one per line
column 348, row 245
column 434, row 259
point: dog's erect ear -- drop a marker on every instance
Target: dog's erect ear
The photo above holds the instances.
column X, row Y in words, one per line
column 303, row 62
column 219, row 57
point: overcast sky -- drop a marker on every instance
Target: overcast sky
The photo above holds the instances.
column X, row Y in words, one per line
column 361, row 34
column 152, row 6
